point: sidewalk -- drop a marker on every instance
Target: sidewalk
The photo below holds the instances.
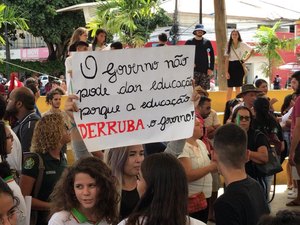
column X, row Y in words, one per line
column 278, row 203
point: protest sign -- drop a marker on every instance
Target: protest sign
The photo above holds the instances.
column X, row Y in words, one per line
column 133, row 96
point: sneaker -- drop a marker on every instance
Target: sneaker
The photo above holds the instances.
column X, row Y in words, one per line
column 292, row 196
column 292, row 191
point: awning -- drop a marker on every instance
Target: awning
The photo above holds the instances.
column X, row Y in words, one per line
column 292, row 66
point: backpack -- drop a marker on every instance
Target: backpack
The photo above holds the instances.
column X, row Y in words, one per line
column 38, row 182
column 274, row 142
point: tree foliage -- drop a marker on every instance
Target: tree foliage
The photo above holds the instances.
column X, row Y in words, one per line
column 55, row 28
column 131, row 20
column 268, row 45
column 11, row 16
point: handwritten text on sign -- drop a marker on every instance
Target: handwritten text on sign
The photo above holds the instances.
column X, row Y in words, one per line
column 134, row 96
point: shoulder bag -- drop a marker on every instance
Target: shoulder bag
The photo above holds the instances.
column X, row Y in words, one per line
column 243, row 64
column 273, row 165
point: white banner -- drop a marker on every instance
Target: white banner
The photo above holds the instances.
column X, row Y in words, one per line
column 133, row 96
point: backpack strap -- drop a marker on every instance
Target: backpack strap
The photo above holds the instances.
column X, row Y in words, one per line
column 39, row 179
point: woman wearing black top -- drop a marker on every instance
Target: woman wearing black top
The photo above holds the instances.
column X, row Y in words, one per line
column 257, row 143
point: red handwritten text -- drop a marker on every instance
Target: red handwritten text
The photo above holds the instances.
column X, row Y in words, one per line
column 97, row 129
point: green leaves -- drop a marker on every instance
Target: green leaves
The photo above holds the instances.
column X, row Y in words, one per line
column 10, row 15
column 123, row 18
column 268, row 45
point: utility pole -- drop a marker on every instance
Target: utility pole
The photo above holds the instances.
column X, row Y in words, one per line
column 7, row 50
column 175, row 28
column 200, row 12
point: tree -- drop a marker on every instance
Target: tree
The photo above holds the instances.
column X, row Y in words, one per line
column 221, row 39
column 55, row 28
column 268, row 45
column 9, row 16
column 131, row 20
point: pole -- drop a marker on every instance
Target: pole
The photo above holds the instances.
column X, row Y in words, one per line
column 200, row 12
column 7, row 51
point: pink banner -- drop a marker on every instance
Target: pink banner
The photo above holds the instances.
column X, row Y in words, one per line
column 34, row 53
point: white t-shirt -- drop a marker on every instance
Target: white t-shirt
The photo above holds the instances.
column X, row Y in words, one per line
column 240, row 51
column 192, row 222
column 199, row 158
column 68, row 66
column 14, row 159
column 67, row 218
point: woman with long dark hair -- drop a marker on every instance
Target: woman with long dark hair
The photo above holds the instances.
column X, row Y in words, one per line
column 236, row 54
column 99, row 42
column 163, row 189
column 257, row 143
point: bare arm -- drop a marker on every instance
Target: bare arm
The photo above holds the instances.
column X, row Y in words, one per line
column 261, row 156
column 26, row 185
column 196, row 174
column 248, row 55
column 226, row 67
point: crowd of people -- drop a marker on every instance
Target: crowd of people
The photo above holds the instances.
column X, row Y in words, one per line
column 157, row 183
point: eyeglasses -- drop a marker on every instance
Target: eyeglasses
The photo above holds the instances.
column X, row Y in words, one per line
column 246, row 118
column 12, row 215
column 10, row 136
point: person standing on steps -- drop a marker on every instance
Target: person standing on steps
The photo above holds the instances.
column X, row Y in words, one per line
column 236, row 54
column 204, row 57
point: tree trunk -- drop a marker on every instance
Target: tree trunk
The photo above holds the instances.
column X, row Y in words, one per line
column 52, row 54
column 221, row 39
column 60, row 51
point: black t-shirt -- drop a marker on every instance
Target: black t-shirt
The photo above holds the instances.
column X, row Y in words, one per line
column 203, row 49
column 52, row 172
column 242, row 203
column 256, row 139
column 128, row 202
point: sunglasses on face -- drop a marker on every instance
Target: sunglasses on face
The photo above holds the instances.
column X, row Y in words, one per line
column 246, row 118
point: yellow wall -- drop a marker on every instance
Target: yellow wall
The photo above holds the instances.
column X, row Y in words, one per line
column 218, row 100
column 43, row 106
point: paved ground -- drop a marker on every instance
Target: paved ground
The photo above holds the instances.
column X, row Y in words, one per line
column 279, row 201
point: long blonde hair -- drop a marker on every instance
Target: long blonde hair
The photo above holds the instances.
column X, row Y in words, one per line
column 76, row 34
column 48, row 133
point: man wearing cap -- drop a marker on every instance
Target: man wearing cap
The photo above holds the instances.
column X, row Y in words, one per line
column 248, row 94
column 204, row 57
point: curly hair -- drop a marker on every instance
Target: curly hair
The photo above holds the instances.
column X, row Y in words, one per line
column 47, row 133
column 50, row 94
column 63, row 196
column 296, row 76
